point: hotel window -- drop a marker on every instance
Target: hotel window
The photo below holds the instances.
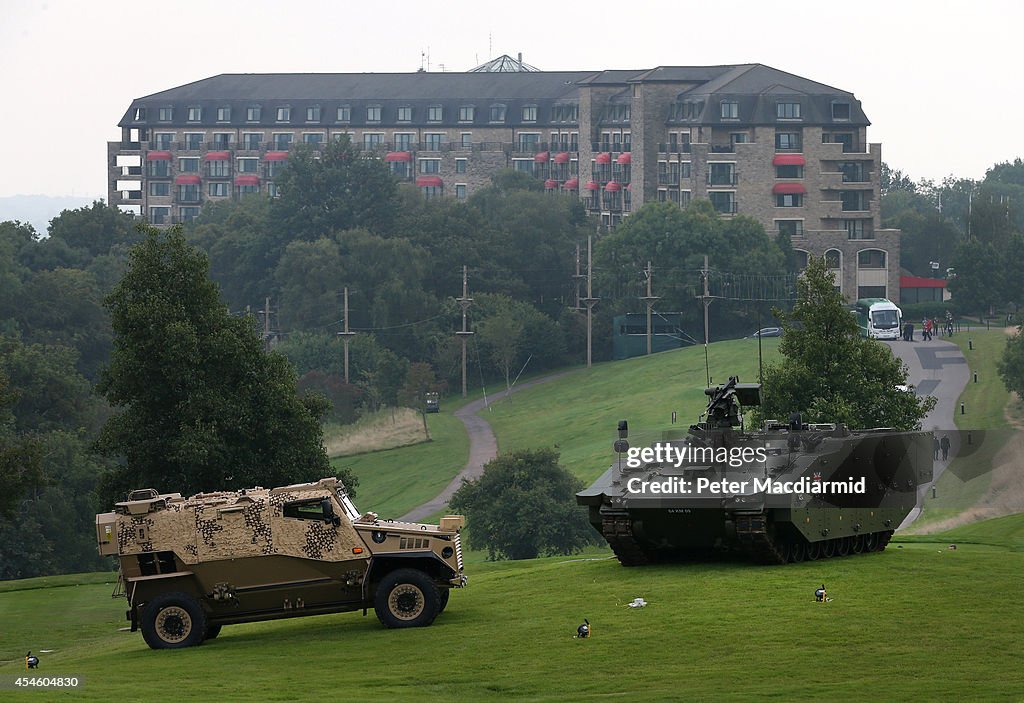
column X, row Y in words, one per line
column 188, row 165
column 344, row 113
column 684, row 198
column 528, row 141
column 248, row 189
column 460, row 165
column 222, row 140
column 218, row 169
column 724, row 202
column 871, row 259
column 787, row 141
column 274, row 168
column 404, row 114
column 283, row 140
column 789, row 200
column 195, row 114
column 497, row 113
column 188, row 193
column 466, row 140
column 164, row 140
column 467, row 113
column 460, row 191
column 841, row 111
column 140, row 114
column 373, row 113
column 432, row 141
column 251, row 141
column 248, row 165
column 160, row 189
column 530, row 113
column 435, row 113
column 223, row 114
column 371, row 140
column 194, row 141
column 158, row 169
column 685, row 169
column 430, row 165
column 159, row 215
column 403, row 141
column 219, row 190
column 789, row 171
column 253, row 113
column 284, row 114
column 313, row 139
column 188, row 214
column 854, row 200
column 790, row 228
column 854, row 229
column 165, row 114
column 313, row 113
column 431, row 192
column 730, row 110
column 274, row 190
column 787, row 111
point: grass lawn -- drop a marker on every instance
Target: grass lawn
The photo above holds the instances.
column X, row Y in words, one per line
column 579, row 413
column 916, row 622
column 394, row 481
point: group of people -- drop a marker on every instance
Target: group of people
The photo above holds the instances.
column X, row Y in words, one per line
column 928, row 328
column 941, row 446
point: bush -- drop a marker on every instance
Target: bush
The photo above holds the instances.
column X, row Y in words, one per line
column 524, row 506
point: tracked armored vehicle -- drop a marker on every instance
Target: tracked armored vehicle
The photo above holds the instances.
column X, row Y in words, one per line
column 789, row 492
column 192, row 565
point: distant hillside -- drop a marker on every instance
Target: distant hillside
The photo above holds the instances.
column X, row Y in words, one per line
column 38, row 210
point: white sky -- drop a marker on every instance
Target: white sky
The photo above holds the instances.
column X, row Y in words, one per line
column 940, row 81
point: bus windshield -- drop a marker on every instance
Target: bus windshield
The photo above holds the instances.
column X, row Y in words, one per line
column 884, row 319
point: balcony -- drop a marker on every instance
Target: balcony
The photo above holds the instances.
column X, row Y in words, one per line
column 668, row 179
column 612, row 147
column 673, row 148
column 723, row 149
column 721, row 180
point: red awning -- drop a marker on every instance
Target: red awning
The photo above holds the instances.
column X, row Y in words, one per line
column 429, row 182
column 187, row 179
column 624, row 159
column 603, row 158
column 276, row 156
column 398, row 156
column 613, row 187
column 919, row 282
column 217, row 156
column 788, row 160
column 561, row 157
column 158, row 156
column 788, row 188
column 592, row 185
column 571, row 184
column 550, row 183
column 541, row 157
column 247, row 180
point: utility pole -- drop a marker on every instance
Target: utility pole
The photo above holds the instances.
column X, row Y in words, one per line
column 578, row 279
column 464, row 302
column 590, row 301
column 266, row 323
column 649, row 301
column 346, row 335
column 706, row 300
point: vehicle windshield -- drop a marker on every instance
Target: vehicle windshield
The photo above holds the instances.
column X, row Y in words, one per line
column 884, row 319
column 346, row 504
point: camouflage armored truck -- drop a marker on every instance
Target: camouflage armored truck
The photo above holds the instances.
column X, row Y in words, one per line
column 192, row 565
column 785, row 493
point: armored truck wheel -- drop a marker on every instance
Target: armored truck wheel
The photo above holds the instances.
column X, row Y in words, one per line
column 407, row 598
column 172, row 621
column 212, row 631
column 443, row 594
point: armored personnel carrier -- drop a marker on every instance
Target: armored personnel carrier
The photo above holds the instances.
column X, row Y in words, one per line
column 789, row 492
column 192, row 565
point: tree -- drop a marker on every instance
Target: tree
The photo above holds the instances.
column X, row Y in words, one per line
column 979, row 284
column 20, row 454
column 523, row 506
column 419, row 380
column 502, row 335
column 203, row 407
column 339, row 189
column 828, row 372
column 1011, row 364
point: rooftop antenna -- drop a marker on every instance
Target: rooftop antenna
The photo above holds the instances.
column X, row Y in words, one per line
column 490, row 46
column 423, row 60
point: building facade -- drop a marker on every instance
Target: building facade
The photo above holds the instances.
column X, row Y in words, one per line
column 785, row 150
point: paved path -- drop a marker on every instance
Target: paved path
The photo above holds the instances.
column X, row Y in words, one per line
column 937, row 368
column 482, row 447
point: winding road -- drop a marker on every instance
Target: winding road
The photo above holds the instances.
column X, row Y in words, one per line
column 483, row 447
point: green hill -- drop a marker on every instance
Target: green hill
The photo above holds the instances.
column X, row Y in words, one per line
column 911, row 623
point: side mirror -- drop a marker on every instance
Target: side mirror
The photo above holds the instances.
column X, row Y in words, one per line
column 328, row 509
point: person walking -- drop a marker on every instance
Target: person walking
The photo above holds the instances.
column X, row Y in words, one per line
column 944, row 445
column 937, row 446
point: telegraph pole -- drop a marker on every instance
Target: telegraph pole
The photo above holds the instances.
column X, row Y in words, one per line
column 464, row 302
column 578, row 279
column 590, row 301
column 345, row 335
column 266, row 323
column 649, row 301
column 706, row 300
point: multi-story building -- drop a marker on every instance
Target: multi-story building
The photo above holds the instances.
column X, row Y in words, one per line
column 755, row 140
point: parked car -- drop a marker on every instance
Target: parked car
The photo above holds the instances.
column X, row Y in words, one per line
column 767, row 332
